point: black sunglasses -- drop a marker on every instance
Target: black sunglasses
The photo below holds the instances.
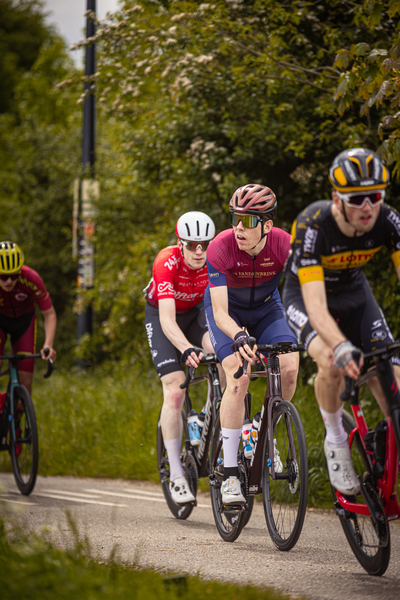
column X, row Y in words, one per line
column 13, row 277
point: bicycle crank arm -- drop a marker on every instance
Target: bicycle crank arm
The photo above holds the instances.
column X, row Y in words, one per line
column 376, row 517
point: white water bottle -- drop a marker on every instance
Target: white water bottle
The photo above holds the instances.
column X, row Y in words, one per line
column 255, row 427
column 246, row 438
column 195, row 426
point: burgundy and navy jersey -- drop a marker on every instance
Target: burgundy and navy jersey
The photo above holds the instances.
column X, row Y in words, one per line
column 250, row 279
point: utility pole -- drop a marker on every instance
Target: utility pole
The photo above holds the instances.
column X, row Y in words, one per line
column 86, row 190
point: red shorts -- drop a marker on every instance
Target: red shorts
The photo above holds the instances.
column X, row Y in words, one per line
column 22, row 332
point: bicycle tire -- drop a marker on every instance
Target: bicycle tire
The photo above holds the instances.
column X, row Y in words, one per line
column 24, row 449
column 285, row 499
column 364, row 540
column 180, row 511
column 229, row 523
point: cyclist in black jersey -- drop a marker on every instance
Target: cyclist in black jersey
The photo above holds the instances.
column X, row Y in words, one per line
column 327, row 298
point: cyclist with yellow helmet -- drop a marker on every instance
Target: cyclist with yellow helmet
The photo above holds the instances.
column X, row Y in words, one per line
column 328, row 301
column 20, row 288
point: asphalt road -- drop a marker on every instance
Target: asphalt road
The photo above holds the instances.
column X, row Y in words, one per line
column 134, row 518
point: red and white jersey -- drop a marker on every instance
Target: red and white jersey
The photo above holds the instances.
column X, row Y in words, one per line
column 28, row 290
column 173, row 278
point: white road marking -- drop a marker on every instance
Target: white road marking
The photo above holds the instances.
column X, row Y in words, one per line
column 70, row 493
column 57, row 497
column 131, row 491
column 131, row 496
column 136, row 497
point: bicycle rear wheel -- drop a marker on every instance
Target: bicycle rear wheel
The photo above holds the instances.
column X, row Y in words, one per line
column 370, row 545
column 180, row 511
column 24, row 447
column 285, row 498
column 229, row 522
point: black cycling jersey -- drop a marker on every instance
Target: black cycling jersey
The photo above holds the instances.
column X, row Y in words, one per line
column 321, row 252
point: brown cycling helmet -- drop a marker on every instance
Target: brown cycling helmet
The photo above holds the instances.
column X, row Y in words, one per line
column 254, row 199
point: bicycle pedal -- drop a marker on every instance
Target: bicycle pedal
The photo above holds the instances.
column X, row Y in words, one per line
column 230, row 507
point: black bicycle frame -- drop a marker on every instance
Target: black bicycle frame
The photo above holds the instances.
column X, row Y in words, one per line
column 273, row 396
column 201, row 455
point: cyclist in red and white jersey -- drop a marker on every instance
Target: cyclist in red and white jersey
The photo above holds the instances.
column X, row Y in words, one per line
column 20, row 288
column 175, row 322
column 245, row 265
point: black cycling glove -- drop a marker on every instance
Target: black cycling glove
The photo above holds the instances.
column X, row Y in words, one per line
column 241, row 339
column 186, row 354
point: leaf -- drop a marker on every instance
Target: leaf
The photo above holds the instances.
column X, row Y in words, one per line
column 362, row 48
column 385, row 89
column 390, row 63
column 376, row 53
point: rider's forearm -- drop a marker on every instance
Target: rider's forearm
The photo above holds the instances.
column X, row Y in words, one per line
column 225, row 323
column 324, row 324
column 174, row 333
column 50, row 327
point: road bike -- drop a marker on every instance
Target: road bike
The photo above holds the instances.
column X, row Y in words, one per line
column 18, row 428
column 365, row 518
column 283, row 483
column 194, row 459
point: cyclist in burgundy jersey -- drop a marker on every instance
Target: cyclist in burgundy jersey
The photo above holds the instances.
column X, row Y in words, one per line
column 175, row 322
column 328, row 300
column 244, row 268
column 20, row 288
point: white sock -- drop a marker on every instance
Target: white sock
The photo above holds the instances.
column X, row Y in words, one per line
column 336, row 435
column 173, row 448
column 230, row 442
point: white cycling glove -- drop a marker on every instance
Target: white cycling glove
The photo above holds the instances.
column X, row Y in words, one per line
column 345, row 352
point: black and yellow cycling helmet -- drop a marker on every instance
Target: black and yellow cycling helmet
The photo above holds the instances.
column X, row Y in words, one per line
column 358, row 170
column 11, row 258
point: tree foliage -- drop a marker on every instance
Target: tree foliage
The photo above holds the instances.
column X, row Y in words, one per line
column 199, row 98
column 371, row 77
column 39, row 157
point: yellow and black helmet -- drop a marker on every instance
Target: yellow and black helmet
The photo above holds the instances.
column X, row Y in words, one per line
column 358, row 170
column 11, row 258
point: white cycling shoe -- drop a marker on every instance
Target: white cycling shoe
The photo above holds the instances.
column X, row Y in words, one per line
column 341, row 471
column 180, row 491
column 232, row 492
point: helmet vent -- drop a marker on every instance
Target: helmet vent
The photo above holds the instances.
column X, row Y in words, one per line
column 187, row 229
column 198, row 228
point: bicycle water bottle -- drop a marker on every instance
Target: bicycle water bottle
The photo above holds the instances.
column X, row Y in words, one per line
column 194, row 428
column 255, row 427
column 201, row 419
column 246, row 438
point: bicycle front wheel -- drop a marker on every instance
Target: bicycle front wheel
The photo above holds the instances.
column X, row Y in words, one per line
column 370, row 544
column 24, row 443
column 285, row 498
column 180, row 511
column 229, row 522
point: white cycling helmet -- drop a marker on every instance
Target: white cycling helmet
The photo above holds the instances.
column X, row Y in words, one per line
column 195, row 226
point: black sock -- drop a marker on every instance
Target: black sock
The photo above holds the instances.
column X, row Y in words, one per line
column 231, row 472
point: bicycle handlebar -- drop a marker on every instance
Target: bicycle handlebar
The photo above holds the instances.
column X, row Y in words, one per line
column 18, row 357
column 272, row 349
column 351, row 384
column 207, row 359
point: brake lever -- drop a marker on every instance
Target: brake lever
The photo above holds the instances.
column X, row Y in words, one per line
column 243, row 370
